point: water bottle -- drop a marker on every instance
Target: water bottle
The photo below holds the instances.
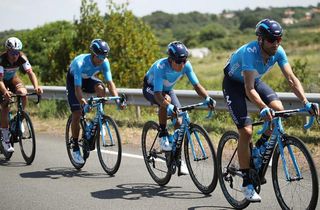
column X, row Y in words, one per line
column 257, row 160
column 176, row 134
column 88, row 130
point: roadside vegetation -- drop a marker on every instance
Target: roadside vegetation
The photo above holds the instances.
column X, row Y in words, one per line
column 137, row 42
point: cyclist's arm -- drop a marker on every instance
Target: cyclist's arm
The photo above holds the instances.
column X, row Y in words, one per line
column 249, row 80
column 79, row 95
column 294, row 83
column 34, row 81
column 201, row 91
column 112, row 88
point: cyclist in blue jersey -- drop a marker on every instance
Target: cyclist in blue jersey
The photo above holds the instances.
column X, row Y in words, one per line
column 158, row 87
column 242, row 81
column 81, row 77
column 11, row 61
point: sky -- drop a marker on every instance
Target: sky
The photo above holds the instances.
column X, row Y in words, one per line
column 28, row 14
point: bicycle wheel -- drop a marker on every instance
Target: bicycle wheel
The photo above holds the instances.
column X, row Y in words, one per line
column 109, row 145
column 70, row 143
column 228, row 170
column 27, row 139
column 296, row 193
column 154, row 158
column 201, row 159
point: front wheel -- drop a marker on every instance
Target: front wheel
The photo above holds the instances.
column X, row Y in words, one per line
column 230, row 178
column 109, row 145
column 295, row 192
column 201, row 159
column 27, row 139
column 70, row 144
column 154, row 158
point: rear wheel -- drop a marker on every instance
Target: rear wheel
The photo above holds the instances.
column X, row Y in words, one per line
column 201, row 159
column 109, row 145
column 27, row 139
column 70, row 143
column 230, row 178
column 154, row 158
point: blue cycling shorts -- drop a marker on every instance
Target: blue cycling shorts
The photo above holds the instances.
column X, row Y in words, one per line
column 235, row 97
column 87, row 87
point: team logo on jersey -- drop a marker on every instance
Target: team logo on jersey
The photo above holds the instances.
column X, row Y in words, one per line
column 252, row 50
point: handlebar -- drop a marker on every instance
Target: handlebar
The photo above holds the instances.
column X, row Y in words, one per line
column 193, row 106
column 15, row 95
column 93, row 101
column 286, row 114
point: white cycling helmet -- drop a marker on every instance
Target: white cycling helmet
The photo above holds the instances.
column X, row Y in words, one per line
column 13, row 43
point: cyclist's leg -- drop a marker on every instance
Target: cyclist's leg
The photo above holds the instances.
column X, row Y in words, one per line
column 175, row 101
column 18, row 88
column 235, row 97
column 5, row 122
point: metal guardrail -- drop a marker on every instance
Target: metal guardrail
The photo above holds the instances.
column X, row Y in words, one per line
column 135, row 97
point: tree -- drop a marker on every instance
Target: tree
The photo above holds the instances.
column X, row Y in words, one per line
column 133, row 46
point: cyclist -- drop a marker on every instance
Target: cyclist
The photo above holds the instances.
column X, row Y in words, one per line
column 81, row 77
column 242, row 80
column 158, row 88
column 10, row 61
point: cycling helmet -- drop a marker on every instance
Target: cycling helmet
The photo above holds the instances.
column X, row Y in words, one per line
column 269, row 29
column 13, row 43
column 99, row 47
column 177, row 51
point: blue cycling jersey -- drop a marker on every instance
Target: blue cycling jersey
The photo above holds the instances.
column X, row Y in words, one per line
column 82, row 68
column 163, row 77
column 248, row 58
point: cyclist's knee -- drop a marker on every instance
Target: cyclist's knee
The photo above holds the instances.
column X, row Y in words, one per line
column 167, row 98
column 276, row 105
column 246, row 132
column 100, row 90
column 20, row 89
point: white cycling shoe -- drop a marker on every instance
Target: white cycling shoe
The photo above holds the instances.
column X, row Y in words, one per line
column 183, row 169
column 250, row 194
column 77, row 157
column 165, row 145
column 7, row 146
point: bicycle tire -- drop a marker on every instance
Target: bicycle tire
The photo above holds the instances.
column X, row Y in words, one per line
column 69, row 143
column 290, row 198
column 230, row 182
column 154, row 159
column 27, row 138
column 107, row 152
column 203, row 172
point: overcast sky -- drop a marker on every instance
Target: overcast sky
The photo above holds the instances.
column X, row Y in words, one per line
column 28, row 14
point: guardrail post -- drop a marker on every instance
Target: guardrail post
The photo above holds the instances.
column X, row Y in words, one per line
column 138, row 112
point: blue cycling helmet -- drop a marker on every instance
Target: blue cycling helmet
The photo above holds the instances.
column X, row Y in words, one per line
column 177, row 51
column 99, row 47
column 269, row 29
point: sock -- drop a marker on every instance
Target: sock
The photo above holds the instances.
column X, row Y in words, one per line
column 75, row 144
column 246, row 179
column 163, row 130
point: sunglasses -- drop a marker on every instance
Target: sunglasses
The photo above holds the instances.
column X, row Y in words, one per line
column 14, row 52
column 101, row 57
column 271, row 40
column 180, row 61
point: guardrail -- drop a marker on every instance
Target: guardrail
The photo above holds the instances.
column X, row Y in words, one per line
column 135, row 97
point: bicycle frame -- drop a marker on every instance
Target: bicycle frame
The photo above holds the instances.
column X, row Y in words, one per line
column 185, row 129
column 97, row 102
column 276, row 138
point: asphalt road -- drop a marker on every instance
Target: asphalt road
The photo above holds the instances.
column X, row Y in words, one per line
column 52, row 183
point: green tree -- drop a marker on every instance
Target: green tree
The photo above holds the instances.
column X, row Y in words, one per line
column 89, row 27
column 133, row 46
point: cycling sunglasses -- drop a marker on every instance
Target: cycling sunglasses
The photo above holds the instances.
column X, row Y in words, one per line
column 271, row 40
column 14, row 52
column 180, row 61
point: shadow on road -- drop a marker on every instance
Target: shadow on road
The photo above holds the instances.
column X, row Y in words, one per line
column 9, row 163
column 59, row 172
column 135, row 191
